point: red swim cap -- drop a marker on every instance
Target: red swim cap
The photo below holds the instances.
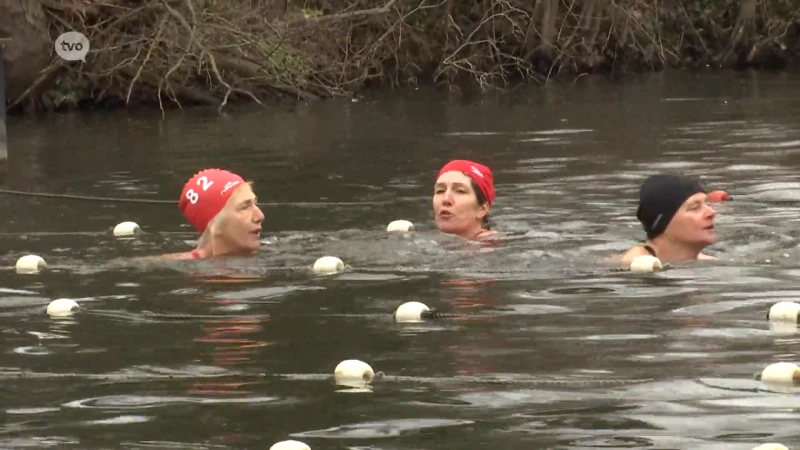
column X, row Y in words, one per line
column 205, row 194
column 719, row 196
column 478, row 172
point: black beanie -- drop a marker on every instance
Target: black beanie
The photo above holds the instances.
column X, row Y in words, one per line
column 660, row 197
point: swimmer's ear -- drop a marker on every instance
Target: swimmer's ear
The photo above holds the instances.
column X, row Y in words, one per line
column 483, row 210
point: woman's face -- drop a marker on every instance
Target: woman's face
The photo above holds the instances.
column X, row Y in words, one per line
column 241, row 228
column 693, row 223
column 455, row 205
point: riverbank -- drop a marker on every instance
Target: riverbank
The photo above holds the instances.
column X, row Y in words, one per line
column 187, row 52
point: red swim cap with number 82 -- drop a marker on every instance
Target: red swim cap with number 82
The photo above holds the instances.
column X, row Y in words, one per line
column 205, row 194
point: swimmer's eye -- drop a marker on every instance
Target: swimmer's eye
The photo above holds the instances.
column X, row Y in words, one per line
column 696, row 205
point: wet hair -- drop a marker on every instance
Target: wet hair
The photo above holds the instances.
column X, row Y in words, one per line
column 487, row 221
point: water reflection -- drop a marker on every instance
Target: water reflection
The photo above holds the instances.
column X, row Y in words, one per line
column 467, row 299
column 464, row 296
column 229, row 341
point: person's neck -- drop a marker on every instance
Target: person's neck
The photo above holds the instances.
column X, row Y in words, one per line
column 674, row 251
column 472, row 232
column 216, row 249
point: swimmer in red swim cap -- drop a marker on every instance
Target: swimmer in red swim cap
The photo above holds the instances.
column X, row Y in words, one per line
column 223, row 208
column 677, row 217
column 462, row 197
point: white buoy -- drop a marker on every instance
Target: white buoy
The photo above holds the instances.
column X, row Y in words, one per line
column 771, row 446
column 781, row 373
column 289, row 445
column 410, row 312
column 30, row 264
column 353, row 371
column 646, row 263
column 62, row 307
column 782, row 327
column 400, row 225
column 328, row 265
column 126, row 229
column 784, row 311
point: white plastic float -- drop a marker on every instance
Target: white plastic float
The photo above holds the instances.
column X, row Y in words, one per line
column 353, row 371
column 771, row 446
column 646, row 263
column 781, row 373
column 784, row 312
column 126, row 229
column 410, row 312
column 62, row 307
column 289, row 445
column 783, row 327
column 30, row 264
column 400, row 225
column 328, row 265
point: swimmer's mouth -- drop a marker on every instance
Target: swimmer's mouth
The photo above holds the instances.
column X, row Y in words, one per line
column 709, row 228
column 445, row 213
column 257, row 232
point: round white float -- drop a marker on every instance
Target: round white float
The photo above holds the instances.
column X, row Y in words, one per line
column 400, row 225
column 126, row 229
column 781, row 373
column 784, row 311
column 782, row 327
column 646, row 263
column 30, row 264
column 771, row 446
column 62, row 307
column 328, row 265
column 290, row 445
column 353, row 371
column 410, row 312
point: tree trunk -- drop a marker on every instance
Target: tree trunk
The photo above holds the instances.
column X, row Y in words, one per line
column 30, row 49
column 3, row 138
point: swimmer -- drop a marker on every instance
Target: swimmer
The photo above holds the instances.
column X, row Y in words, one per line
column 677, row 218
column 462, row 196
column 223, row 208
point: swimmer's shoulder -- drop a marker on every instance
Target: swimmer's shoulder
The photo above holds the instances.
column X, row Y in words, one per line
column 641, row 250
column 194, row 254
column 486, row 233
column 181, row 256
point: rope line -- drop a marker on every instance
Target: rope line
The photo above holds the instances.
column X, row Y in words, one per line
column 167, row 202
column 86, row 197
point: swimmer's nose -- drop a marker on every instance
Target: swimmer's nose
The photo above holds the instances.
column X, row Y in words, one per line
column 448, row 198
column 259, row 217
column 719, row 196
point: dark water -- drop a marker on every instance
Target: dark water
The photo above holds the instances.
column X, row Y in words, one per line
column 551, row 349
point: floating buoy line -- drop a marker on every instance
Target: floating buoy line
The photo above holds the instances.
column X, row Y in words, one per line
column 174, row 202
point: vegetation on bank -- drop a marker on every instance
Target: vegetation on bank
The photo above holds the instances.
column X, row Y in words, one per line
column 179, row 52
